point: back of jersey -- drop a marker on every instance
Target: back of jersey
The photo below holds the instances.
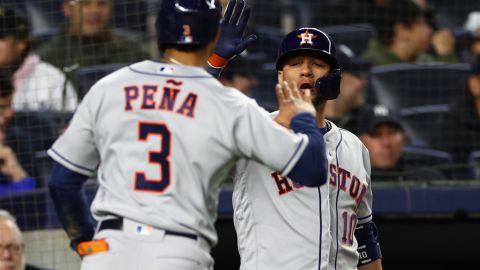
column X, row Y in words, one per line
column 166, row 136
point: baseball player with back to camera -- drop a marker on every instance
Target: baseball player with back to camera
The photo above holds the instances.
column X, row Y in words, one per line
column 280, row 223
column 163, row 136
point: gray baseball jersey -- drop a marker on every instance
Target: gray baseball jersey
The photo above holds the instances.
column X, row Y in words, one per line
column 163, row 138
column 282, row 225
column 350, row 196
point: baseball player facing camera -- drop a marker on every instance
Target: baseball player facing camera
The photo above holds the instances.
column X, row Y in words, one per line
column 280, row 223
column 162, row 136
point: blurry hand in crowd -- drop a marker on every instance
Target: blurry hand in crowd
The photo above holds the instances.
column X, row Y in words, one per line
column 9, row 164
column 87, row 17
column 443, row 42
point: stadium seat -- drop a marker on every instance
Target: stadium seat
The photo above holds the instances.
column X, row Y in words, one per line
column 401, row 86
column 269, row 40
column 474, row 165
column 355, row 36
column 88, row 76
column 424, row 124
column 428, row 158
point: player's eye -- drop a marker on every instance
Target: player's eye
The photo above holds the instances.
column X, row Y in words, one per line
column 320, row 64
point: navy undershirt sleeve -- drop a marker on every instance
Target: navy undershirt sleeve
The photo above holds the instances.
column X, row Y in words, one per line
column 71, row 203
column 311, row 168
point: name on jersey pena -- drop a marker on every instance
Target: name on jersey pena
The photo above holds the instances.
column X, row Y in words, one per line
column 347, row 182
column 148, row 97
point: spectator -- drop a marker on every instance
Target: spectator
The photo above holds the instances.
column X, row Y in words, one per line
column 403, row 35
column 13, row 176
column 463, row 130
column 240, row 74
column 87, row 40
column 472, row 25
column 38, row 85
column 384, row 135
column 12, row 253
column 352, row 89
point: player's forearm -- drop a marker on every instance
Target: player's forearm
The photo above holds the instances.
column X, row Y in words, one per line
column 70, row 202
column 311, row 168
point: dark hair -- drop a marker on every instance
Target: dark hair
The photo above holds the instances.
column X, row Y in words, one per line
column 6, row 86
column 404, row 12
column 14, row 23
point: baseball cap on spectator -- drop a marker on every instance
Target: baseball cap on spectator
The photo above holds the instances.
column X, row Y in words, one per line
column 369, row 118
column 349, row 62
column 13, row 23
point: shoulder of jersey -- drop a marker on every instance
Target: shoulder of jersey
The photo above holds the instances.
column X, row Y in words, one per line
column 160, row 69
column 349, row 136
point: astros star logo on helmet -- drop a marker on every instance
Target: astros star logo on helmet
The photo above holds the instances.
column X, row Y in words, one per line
column 306, row 38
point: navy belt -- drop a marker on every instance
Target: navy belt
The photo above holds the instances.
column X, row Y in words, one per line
column 117, row 224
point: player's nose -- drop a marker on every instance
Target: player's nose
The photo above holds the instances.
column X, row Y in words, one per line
column 306, row 69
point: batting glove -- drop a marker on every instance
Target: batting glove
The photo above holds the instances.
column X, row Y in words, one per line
column 231, row 41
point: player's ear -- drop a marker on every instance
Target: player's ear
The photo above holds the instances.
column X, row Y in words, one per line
column 280, row 76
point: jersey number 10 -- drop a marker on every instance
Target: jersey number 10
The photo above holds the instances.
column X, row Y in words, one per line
column 160, row 158
column 349, row 225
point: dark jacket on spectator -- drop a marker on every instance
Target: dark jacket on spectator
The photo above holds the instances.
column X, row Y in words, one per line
column 70, row 52
column 407, row 172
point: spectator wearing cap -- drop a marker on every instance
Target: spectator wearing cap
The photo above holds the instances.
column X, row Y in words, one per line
column 384, row 135
column 87, row 40
column 352, row 89
column 404, row 35
column 38, row 85
column 472, row 34
column 463, row 131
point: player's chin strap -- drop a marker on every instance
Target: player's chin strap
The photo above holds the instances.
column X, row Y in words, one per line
column 328, row 87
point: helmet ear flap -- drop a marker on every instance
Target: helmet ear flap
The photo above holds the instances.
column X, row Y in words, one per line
column 328, row 87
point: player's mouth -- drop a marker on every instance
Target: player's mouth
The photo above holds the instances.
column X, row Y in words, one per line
column 306, row 86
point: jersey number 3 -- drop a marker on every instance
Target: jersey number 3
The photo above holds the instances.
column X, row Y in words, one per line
column 160, row 158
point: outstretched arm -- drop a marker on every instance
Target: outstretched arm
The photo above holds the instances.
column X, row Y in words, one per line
column 311, row 168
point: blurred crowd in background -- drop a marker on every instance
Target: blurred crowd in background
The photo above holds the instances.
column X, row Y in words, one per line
column 410, row 88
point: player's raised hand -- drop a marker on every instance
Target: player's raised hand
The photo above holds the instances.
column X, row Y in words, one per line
column 231, row 41
column 292, row 101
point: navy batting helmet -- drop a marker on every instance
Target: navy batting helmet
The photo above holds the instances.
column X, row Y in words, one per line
column 189, row 22
column 310, row 40
column 318, row 44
